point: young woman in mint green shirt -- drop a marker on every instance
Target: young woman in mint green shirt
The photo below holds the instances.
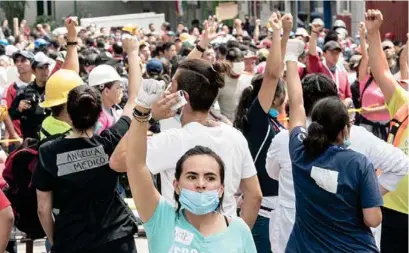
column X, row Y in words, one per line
column 196, row 225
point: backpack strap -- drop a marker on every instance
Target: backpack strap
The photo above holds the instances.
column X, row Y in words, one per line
column 366, row 86
column 45, row 133
column 398, row 125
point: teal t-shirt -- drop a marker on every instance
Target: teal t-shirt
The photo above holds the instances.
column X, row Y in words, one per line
column 168, row 232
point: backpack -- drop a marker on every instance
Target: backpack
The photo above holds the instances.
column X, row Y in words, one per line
column 398, row 125
column 19, row 168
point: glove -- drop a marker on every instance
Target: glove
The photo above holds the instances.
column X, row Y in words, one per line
column 294, row 49
column 149, row 92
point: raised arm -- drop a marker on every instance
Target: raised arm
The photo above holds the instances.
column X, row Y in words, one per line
column 363, row 66
column 256, row 33
column 316, row 28
column 131, row 47
column 71, row 61
column 140, row 180
column 295, row 96
column 273, row 67
column 209, row 34
column 287, row 21
column 379, row 64
column 403, row 61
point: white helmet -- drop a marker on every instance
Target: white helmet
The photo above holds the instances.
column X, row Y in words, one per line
column 103, row 74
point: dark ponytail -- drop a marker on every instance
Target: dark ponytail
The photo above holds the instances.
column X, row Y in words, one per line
column 84, row 107
column 329, row 117
column 316, row 142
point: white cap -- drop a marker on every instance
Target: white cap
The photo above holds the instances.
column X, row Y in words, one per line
column 10, row 50
column 318, row 21
column 103, row 74
column 301, row 32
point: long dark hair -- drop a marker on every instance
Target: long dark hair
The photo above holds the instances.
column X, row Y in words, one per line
column 247, row 97
column 199, row 150
column 329, row 117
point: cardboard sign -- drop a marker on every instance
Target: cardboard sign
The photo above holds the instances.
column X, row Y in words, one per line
column 227, row 11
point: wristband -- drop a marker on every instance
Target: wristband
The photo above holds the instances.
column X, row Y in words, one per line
column 199, row 48
column 72, row 43
column 138, row 114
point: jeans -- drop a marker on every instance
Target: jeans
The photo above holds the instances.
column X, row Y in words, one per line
column 394, row 235
column 261, row 235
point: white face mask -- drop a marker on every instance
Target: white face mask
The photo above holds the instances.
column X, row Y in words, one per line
column 238, row 68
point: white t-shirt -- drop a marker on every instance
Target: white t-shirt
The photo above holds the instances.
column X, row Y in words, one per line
column 166, row 148
column 229, row 95
column 391, row 160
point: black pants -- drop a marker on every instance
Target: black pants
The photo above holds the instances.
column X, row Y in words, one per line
column 394, row 236
column 123, row 245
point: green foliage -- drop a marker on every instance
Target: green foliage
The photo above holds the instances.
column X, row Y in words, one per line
column 47, row 19
column 13, row 9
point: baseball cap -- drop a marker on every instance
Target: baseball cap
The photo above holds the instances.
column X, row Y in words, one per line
column 301, row 32
column 25, row 54
column 4, row 42
column 40, row 43
column 387, row 44
column 332, row 45
column 40, row 60
column 10, row 50
column 154, row 66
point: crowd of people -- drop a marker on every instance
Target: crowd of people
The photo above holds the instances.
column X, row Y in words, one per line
column 251, row 138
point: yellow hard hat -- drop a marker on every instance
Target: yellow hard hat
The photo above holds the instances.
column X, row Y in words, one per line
column 132, row 29
column 58, row 86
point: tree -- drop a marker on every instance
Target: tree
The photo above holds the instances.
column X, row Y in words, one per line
column 13, row 9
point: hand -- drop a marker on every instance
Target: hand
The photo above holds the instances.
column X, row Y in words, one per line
column 373, row 20
column 258, row 22
column 130, row 44
column 71, row 24
column 294, row 49
column 275, row 21
column 317, row 27
column 23, row 105
column 209, row 32
column 237, row 23
column 161, row 109
column 287, row 21
column 149, row 92
column 362, row 30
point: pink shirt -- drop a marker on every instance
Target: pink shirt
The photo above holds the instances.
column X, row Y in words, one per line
column 107, row 119
column 373, row 97
column 315, row 65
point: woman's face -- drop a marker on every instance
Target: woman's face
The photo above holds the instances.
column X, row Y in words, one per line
column 210, row 56
column 200, row 173
column 113, row 95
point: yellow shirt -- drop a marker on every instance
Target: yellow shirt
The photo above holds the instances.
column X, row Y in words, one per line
column 398, row 199
column 53, row 126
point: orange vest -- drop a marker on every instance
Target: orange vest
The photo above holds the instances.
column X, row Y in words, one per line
column 398, row 125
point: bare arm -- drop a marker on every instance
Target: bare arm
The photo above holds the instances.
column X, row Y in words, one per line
column 44, row 209
column 71, row 61
column 250, row 188
column 140, row 180
column 363, row 67
column 379, row 65
column 273, row 67
column 131, row 47
column 7, row 222
column 295, row 95
column 256, row 33
column 372, row 216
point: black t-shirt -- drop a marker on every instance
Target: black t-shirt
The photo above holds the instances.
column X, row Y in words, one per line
column 77, row 171
column 31, row 119
column 262, row 129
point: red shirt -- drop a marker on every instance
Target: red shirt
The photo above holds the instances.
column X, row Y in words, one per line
column 8, row 97
column 340, row 77
column 4, row 202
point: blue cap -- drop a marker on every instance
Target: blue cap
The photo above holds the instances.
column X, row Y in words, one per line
column 40, row 42
column 4, row 42
column 154, row 66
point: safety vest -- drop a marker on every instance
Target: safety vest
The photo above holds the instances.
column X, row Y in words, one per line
column 398, row 126
column 52, row 126
column 398, row 199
